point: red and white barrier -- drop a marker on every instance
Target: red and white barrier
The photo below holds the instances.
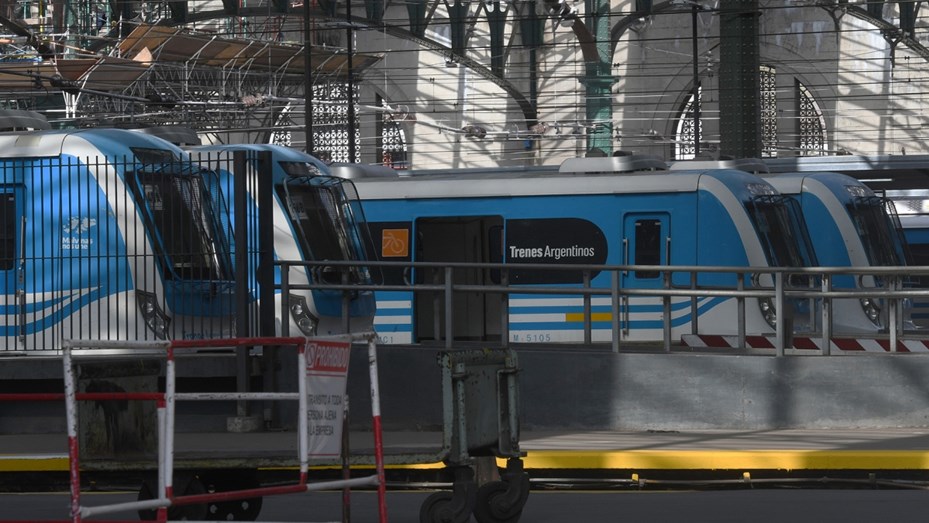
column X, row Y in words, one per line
column 805, row 343
column 335, row 364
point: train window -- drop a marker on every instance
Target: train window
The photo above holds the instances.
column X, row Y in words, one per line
column 647, row 246
column 180, row 217
column 297, row 169
column 316, row 212
column 154, row 156
column 7, row 231
column 783, row 232
column 876, row 231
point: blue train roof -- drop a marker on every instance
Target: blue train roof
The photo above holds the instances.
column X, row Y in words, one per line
column 795, row 183
column 488, row 184
column 279, row 153
column 110, row 142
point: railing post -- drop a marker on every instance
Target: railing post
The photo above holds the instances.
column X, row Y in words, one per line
column 827, row 315
column 614, row 298
column 694, row 317
column 587, row 323
column 781, row 317
column 449, row 318
column 285, row 299
column 666, row 311
column 740, row 310
column 346, row 303
column 505, row 309
column 892, row 313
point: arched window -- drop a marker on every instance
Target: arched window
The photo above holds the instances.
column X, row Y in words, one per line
column 330, row 128
column 811, row 130
column 768, row 78
column 811, row 126
column 684, row 133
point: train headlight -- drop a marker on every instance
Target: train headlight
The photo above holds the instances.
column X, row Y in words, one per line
column 872, row 309
column 154, row 316
column 300, row 312
column 768, row 311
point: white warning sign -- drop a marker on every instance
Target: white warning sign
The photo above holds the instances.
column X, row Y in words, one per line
column 326, row 376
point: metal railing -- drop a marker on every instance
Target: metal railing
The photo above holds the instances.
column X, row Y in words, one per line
column 890, row 284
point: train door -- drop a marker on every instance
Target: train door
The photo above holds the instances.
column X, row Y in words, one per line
column 646, row 241
column 11, row 264
column 458, row 239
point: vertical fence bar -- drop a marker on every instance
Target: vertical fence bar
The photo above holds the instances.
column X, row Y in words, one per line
column 242, row 291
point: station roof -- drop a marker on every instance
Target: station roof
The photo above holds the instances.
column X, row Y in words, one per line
column 148, row 45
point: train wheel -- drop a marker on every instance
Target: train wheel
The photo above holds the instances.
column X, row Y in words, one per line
column 492, row 505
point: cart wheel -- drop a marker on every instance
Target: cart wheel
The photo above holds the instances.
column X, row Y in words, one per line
column 435, row 508
column 491, row 505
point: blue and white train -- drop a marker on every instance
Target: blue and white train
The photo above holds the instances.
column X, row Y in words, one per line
column 589, row 212
column 316, row 217
column 898, row 185
column 849, row 226
column 107, row 234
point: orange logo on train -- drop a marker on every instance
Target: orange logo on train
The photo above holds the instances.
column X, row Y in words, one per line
column 395, row 243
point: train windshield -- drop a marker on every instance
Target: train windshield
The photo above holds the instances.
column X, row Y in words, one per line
column 876, row 230
column 782, row 230
column 324, row 212
column 180, row 212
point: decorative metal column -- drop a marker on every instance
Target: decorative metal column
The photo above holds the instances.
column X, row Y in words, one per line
column 598, row 81
column 739, row 84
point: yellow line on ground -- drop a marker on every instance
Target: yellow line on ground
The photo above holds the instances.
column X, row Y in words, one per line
column 729, row 459
column 633, row 460
column 33, row 464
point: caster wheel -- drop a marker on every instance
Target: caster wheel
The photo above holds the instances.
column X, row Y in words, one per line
column 491, row 506
column 431, row 510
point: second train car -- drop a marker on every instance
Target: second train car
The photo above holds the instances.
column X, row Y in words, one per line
column 587, row 213
column 316, row 217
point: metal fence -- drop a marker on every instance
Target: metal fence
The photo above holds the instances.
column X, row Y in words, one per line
column 894, row 289
column 129, row 248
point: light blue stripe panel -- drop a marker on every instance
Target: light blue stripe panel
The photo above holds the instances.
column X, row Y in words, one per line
column 393, row 312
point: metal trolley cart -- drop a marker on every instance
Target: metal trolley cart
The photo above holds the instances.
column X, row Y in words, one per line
column 473, row 382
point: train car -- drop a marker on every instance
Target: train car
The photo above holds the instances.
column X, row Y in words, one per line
column 849, row 226
column 852, row 228
column 900, row 181
column 107, row 234
column 316, row 217
column 592, row 211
